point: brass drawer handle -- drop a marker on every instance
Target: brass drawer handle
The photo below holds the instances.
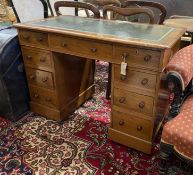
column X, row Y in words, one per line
column 40, row 39
column 29, row 57
column 122, row 100
column 32, row 77
column 139, row 128
column 43, row 59
column 48, row 99
column 144, row 81
column 142, row 104
column 93, row 49
column 121, row 122
column 64, row 44
column 44, row 79
column 36, row 96
column 123, row 77
column 147, row 58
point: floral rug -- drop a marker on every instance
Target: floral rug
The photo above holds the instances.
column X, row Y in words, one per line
column 78, row 146
column 4, row 123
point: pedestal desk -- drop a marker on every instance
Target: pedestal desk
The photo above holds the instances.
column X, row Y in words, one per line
column 58, row 55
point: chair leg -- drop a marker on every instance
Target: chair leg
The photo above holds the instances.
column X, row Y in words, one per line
column 164, row 158
column 108, row 92
column 166, row 152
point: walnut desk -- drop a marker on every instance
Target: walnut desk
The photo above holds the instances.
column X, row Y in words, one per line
column 58, row 55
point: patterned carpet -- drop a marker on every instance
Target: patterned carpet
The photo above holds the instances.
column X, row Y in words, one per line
column 78, row 146
column 3, row 123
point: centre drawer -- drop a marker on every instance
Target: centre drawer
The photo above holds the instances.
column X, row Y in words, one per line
column 133, row 125
column 37, row 58
column 133, row 101
column 81, row 47
column 135, row 81
column 137, row 57
column 40, row 78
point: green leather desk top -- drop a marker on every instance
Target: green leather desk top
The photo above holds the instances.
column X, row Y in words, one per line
column 107, row 30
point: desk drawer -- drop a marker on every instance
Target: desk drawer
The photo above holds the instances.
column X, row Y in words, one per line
column 40, row 78
column 135, row 126
column 133, row 101
column 43, row 96
column 31, row 38
column 142, row 58
column 36, row 58
column 79, row 47
column 135, row 81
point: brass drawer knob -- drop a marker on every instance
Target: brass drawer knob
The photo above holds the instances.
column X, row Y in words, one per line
column 147, row 58
column 122, row 100
column 93, row 49
column 121, row 122
column 32, row 77
column 144, row 81
column 142, row 104
column 40, row 39
column 48, row 99
column 42, row 59
column 139, row 128
column 36, row 96
column 44, row 79
column 29, row 57
column 64, row 44
column 123, row 77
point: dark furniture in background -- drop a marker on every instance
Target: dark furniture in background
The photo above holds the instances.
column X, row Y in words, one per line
column 128, row 12
column 13, row 85
column 177, row 7
column 160, row 9
column 76, row 5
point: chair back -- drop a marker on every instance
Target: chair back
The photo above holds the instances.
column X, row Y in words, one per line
column 154, row 5
column 26, row 10
column 76, row 5
column 101, row 3
column 126, row 12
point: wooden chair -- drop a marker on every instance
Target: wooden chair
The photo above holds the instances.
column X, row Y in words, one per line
column 124, row 12
column 148, row 4
column 24, row 10
column 101, row 3
column 74, row 4
column 129, row 12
